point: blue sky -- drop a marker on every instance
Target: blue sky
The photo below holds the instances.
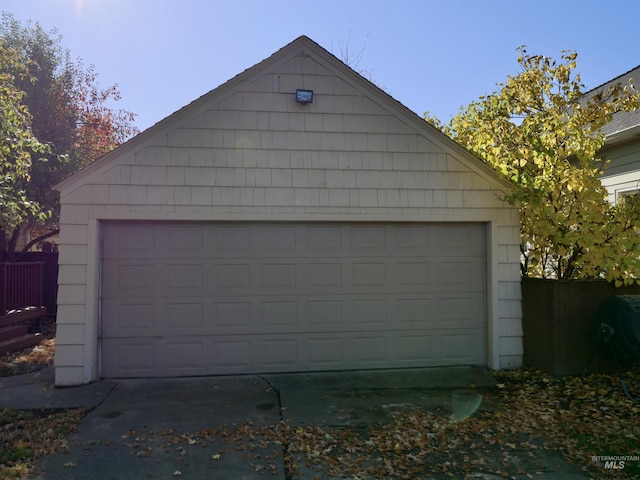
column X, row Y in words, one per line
column 434, row 55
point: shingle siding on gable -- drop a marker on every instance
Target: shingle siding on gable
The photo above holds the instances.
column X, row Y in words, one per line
column 257, row 155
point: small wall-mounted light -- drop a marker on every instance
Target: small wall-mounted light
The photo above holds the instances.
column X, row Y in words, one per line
column 304, row 96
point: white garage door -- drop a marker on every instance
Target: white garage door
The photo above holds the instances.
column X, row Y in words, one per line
column 183, row 299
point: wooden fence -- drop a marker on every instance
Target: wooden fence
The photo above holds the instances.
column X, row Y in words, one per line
column 20, row 286
column 558, row 323
column 49, row 277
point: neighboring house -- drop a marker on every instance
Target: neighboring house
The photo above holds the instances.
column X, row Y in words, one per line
column 250, row 232
column 622, row 147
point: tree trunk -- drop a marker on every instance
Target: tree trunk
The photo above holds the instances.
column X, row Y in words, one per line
column 11, row 245
column 3, row 246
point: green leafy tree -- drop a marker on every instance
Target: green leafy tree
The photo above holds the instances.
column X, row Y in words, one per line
column 17, row 144
column 70, row 112
column 543, row 133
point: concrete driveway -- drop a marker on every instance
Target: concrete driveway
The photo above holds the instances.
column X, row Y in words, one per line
column 184, row 428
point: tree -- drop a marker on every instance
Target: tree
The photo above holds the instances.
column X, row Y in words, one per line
column 17, row 143
column 352, row 60
column 70, row 112
column 543, row 133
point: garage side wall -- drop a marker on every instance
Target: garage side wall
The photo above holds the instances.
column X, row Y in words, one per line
column 248, row 152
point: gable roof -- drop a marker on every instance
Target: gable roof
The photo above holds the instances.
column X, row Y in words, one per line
column 307, row 46
column 624, row 125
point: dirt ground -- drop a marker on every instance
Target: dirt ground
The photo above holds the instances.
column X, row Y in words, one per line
column 33, row 358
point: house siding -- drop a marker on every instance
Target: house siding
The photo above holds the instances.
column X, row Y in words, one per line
column 254, row 154
column 622, row 173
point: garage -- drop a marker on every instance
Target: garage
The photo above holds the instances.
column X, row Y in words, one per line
column 294, row 218
column 184, row 299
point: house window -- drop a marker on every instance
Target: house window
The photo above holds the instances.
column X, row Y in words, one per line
column 622, row 194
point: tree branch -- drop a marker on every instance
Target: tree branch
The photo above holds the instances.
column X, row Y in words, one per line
column 36, row 240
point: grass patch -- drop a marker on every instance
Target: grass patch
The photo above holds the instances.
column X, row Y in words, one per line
column 26, row 435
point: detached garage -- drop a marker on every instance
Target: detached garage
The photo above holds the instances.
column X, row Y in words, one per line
column 260, row 230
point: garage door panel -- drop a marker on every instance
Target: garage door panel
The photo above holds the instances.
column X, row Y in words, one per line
column 325, row 352
column 184, row 241
column 224, row 298
column 278, row 353
column 129, row 240
column 234, row 240
column 369, row 238
column 231, row 316
column 324, row 313
column 162, row 319
column 412, row 239
column 281, row 240
column 233, row 354
column 459, row 240
column 370, row 313
column 369, row 274
column 183, row 357
column 324, row 277
column 421, row 348
column 464, row 275
column 128, row 319
column 130, row 357
column 185, row 277
column 413, row 274
column 229, row 276
column 185, row 316
column 279, row 314
column 370, row 351
column 281, row 277
column 133, row 279
column 146, row 278
column 460, row 347
column 413, row 311
column 457, row 311
column 324, row 239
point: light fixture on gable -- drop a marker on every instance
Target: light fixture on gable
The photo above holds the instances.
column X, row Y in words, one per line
column 304, row 96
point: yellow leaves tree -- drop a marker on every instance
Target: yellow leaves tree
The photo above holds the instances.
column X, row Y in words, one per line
column 543, row 133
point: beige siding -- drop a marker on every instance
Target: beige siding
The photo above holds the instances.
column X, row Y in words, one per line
column 251, row 153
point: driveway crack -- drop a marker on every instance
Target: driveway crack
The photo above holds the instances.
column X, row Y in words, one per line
column 288, row 460
column 272, row 388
